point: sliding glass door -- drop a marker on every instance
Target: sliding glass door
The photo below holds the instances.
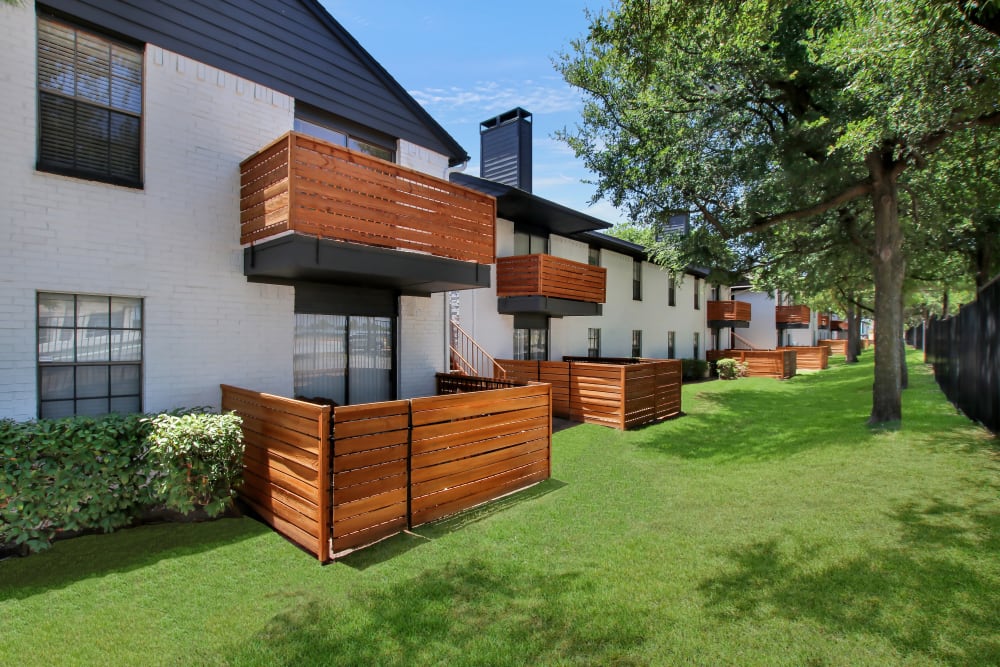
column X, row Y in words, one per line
column 344, row 359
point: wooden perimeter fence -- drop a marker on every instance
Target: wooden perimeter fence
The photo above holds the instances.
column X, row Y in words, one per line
column 618, row 393
column 836, row 345
column 778, row 364
column 335, row 482
column 810, row 358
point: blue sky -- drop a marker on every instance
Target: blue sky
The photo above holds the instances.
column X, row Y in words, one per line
column 466, row 61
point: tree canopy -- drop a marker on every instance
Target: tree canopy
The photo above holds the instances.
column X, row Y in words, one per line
column 791, row 118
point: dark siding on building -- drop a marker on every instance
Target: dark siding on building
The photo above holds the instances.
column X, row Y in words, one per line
column 293, row 46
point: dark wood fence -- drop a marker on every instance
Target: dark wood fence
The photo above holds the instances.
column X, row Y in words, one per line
column 965, row 352
column 335, row 482
column 620, row 393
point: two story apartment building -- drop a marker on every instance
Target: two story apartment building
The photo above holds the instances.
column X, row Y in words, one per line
column 200, row 192
column 564, row 288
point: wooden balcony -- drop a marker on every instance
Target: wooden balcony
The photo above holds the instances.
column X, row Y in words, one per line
column 823, row 321
column 554, row 279
column 728, row 313
column 791, row 317
column 328, row 193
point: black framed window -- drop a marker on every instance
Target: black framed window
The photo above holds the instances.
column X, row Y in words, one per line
column 697, row 294
column 335, row 135
column 671, row 345
column 89, row 354
column 89, row 104
column 696, row 354
column 530, row 243
column 593, row 343
column 531, row 344
column 637, row 280
column 636, row 343
column 717, row 292
column 594, row 256
column 672, row 290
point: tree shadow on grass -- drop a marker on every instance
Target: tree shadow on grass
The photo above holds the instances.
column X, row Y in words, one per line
column 928, row 596
column 469, row 612
column 129, row 549
column 399, row 544
column 749, row 424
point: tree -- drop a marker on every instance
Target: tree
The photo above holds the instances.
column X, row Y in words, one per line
column 760, row 114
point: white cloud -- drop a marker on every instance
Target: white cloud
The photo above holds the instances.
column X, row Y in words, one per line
column 486, row 97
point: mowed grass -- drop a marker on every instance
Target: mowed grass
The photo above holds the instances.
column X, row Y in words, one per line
column 768, row 526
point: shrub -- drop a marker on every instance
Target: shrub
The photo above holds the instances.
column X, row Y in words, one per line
column 730, row 369
column 200, row 457
column 694, row 369
column 78, row 473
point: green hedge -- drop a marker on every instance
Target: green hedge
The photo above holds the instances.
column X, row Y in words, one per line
column 694, row 369
column 87, row 473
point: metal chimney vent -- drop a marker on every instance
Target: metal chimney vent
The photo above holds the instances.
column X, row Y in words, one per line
column 505, row 149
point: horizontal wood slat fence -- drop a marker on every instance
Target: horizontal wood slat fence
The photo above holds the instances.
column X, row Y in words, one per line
column 547, row 275
column 837, row 346
column 302, row 184
column 792, row 314
column 810, row 358
column 779, row 364
column 618, row 393
column 333, row 482
column 719, row 311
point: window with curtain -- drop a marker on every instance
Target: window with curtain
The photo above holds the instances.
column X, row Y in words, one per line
column 89, row 104
column 89, row 354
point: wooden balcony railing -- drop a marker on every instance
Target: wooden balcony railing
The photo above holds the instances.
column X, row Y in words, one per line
column 728, row 311
column 302, row 184
column 791, row 314
column 823, row 321
column 545, row 275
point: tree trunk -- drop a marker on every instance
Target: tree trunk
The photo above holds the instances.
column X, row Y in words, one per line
column 945, row 303
column 852, row 336
column 888, row 269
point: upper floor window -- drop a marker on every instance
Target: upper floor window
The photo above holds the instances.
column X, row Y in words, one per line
column 672, row 291
column 89, row 355
column 594, row 256
column 637, row 279
column 332, row 132
column 89, row 105
column 717, row 292
column 530, row 243
column 697, row 293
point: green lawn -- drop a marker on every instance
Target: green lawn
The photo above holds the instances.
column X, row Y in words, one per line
column 768, row 526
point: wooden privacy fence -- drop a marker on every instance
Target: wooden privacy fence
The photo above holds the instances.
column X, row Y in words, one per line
column 836, row 345
column 810, row 358
column 778, row 364
column 620, row 393
column 334, row 482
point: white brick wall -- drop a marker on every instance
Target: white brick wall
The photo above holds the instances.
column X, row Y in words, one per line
column 621, row 314
column 175, row 242
column 422, row 345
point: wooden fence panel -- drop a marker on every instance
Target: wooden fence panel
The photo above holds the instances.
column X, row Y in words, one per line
column 473, row 447
column 810, row 358
column 836, row 345
column 597, row 393
column 370, row 449
column 285, row 463
column 557, row 374
column 779, row 364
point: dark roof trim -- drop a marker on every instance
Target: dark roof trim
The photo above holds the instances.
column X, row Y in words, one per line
column 522, row 207
column 630, row 249
column 457, row 155
column 293, row 46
